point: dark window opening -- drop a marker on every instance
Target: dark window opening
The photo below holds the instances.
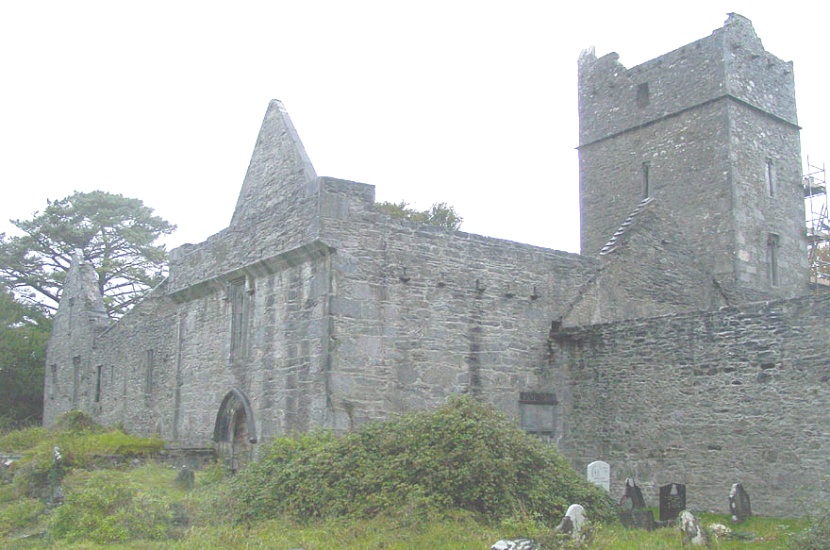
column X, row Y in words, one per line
column 773, row 245
column 149, row 365
column 646, row 190
column 642, row 95
column 238, row 298
column 98, row 384
column 53, row 386
column 76, row 379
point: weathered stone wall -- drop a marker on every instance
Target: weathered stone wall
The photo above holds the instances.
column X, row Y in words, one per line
column 706, row 399
column 281, row 369
column 419, row 312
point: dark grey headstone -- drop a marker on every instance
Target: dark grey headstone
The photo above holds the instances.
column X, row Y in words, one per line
column 672, row 501
column 739, row 505
column 632, row 498
column 185, row 478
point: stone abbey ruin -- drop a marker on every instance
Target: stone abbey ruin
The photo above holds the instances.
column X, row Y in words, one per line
column 684, row 345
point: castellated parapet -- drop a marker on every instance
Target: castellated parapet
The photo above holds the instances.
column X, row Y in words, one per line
column 650, row 351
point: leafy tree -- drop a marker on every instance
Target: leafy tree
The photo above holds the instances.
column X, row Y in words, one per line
column 114, row 232
column 23, row 335
column 439, row 214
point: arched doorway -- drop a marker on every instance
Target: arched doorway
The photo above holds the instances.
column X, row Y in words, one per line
column 235, row 430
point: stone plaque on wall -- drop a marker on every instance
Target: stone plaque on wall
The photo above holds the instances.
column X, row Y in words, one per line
column 599, row 473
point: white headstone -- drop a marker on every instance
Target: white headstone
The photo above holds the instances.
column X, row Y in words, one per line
column 577, row 514
column 599, row 473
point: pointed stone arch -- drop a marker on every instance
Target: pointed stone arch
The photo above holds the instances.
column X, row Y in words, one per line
column 235, row 430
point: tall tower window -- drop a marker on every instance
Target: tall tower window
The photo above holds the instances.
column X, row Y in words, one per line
column 98, row 384
column 76, row 379
column 645, row 169
column 773, row 244
column 769, row 176
column 238, row 297
column 149, row 365
column 53, row 386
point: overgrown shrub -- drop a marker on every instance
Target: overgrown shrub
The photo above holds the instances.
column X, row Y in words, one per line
column 82, row 444
column 815, row 537
column 76, row 422
column 19, row 514
column 23, row 440
column 107, row 508
column 465, row 456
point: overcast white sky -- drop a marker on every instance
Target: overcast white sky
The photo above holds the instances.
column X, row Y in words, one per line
column 468, row 102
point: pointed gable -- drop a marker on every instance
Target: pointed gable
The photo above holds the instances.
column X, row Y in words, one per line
column 81, row 287
column 279, row 172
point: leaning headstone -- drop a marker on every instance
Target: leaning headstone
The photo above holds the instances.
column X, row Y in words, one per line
column 632, row 498
column 517, row 544
column 691, row 530
column 739, row 505
column 599, row 473
column 573, row 522
column 672, row 501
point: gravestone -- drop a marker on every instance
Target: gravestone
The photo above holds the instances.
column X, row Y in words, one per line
column 185, row 478
column 739, row 505
column 517, row 544
column 573, row 522
column 599, row 473
column 638, row 519
column 672, row 501
column 633, row 513
column 632, row 498
column 691, row 531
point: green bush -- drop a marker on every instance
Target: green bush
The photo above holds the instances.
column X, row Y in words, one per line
column 19, row 514
column 76, row 422
column 463, row 456
column 23, row 440
column 81, row 445
column 815, row 537
column 106, row 508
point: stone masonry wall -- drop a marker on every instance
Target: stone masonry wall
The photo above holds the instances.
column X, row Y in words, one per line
column 419, row 312
column 706, row 399
column 700, row 125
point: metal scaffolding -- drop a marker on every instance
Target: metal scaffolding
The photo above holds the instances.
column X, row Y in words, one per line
column 818, row 224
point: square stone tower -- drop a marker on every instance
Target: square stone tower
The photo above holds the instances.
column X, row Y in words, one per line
column 709, row 132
